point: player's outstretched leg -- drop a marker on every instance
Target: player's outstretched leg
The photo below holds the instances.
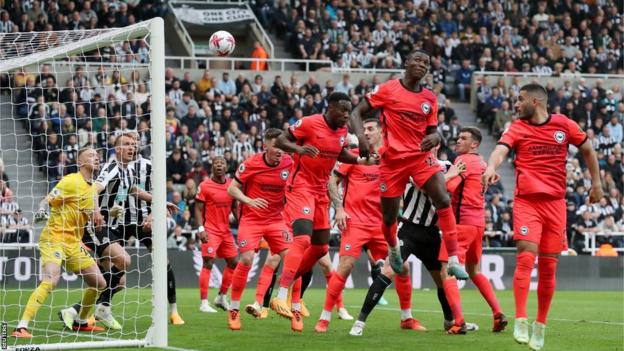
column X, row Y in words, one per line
column 238, row 285
column 546, row 282
column 296, row 322
column 335, row 286
column 484, row 286
column 376, row 290
column 204, row 285
column 174, row 316
column 292, row 261
column 454, row 298
column 375, row 270
column 521, row 282
column 221, row 300
column 403, row 284
column 116, row 261
column 390, row 210
column 264, row 288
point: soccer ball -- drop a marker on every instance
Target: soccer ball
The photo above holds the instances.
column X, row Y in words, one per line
column 222, row 43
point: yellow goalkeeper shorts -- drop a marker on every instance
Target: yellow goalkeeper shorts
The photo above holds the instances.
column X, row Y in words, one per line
column 75, row 257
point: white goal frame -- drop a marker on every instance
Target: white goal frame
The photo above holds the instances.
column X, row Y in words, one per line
column 157, row 333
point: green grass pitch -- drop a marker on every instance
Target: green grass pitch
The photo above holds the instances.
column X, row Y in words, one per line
column 578, row 321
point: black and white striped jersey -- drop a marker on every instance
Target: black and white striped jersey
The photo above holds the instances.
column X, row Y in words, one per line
column 417, row 206
column 139, row 209
column 117, row 182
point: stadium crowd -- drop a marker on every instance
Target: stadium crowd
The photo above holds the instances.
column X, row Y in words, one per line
column 225, row 115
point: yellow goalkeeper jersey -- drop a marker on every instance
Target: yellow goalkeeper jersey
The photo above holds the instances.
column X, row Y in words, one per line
column 71, row 206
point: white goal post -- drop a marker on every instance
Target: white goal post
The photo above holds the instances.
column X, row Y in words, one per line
column 23, row 52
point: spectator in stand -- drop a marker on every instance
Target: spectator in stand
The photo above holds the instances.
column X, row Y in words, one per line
column 261, row 55
column 226, row 86
column 463, row 79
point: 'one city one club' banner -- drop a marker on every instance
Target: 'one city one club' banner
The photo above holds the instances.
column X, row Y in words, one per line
column 20, row 269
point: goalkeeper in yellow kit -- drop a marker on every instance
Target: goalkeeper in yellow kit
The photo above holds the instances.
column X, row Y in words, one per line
column 73, row 206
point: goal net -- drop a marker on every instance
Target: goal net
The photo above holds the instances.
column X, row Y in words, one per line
column 61, row 92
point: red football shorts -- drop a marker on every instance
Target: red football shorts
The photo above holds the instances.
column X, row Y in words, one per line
column 395, row 174
column 219, row 245
column 276, row 235
column 356, row 236
column 541, row 221
column 305, row 204
column 469, row 248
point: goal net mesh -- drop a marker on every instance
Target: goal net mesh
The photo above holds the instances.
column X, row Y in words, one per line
column 60, row 92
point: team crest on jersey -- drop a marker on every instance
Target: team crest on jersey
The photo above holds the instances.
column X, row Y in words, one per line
column 373, row 92
column 347, row 247
column 297, row 124
column 342, row 140
column 426, row 107
column 383, row 187
column 57, row 254
column 210, row 250
column 241, row 168
column 284, row 174
column 306, row 210
column 559, row 136
column 524, row 230
column 243, row 243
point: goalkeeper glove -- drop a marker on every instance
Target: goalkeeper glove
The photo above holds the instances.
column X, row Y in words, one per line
column 116, row 211
column 41, row 216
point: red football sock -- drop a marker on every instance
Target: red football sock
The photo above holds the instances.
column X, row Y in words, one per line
column 311, row 255
column 204, row 283
column 390, row 233
column 446, row 222
column 403, row 285
column 454, row 299
column 338, row 303
column 293, row 260
column 263, row 283
column 334, row 291
column 239, row 280
column 522, row 281
column 482, row 282
column 296, row 291
column 546, row 282
column 226, row 280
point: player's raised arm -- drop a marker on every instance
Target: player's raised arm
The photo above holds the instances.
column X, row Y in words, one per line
column 496, row 158
column 356, row 122
column 592, row 164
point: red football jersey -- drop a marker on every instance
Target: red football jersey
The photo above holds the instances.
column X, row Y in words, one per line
column 217, row 206
column 541, row 152
column 467, row 200
column 261, row 180
column 313, row 173
column 361, row 197
column 405, row 116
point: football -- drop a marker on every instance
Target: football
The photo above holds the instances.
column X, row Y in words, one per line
column 222, row 43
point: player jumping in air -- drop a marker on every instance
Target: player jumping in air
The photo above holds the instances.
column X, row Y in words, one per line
column 540, row 141
column 318, row 141
column 212, row 212
column 409, row 118
column 73, row 204
column 259, row 186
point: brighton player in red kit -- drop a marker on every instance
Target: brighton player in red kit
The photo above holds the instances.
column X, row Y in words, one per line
column 214, row 206
column 468, row 204
column 540, row 141
column 409, row 117
column 259, row 186
column 317, row 141
column 358, row 218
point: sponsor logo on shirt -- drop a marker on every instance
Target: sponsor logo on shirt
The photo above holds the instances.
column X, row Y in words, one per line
column 560, row 137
